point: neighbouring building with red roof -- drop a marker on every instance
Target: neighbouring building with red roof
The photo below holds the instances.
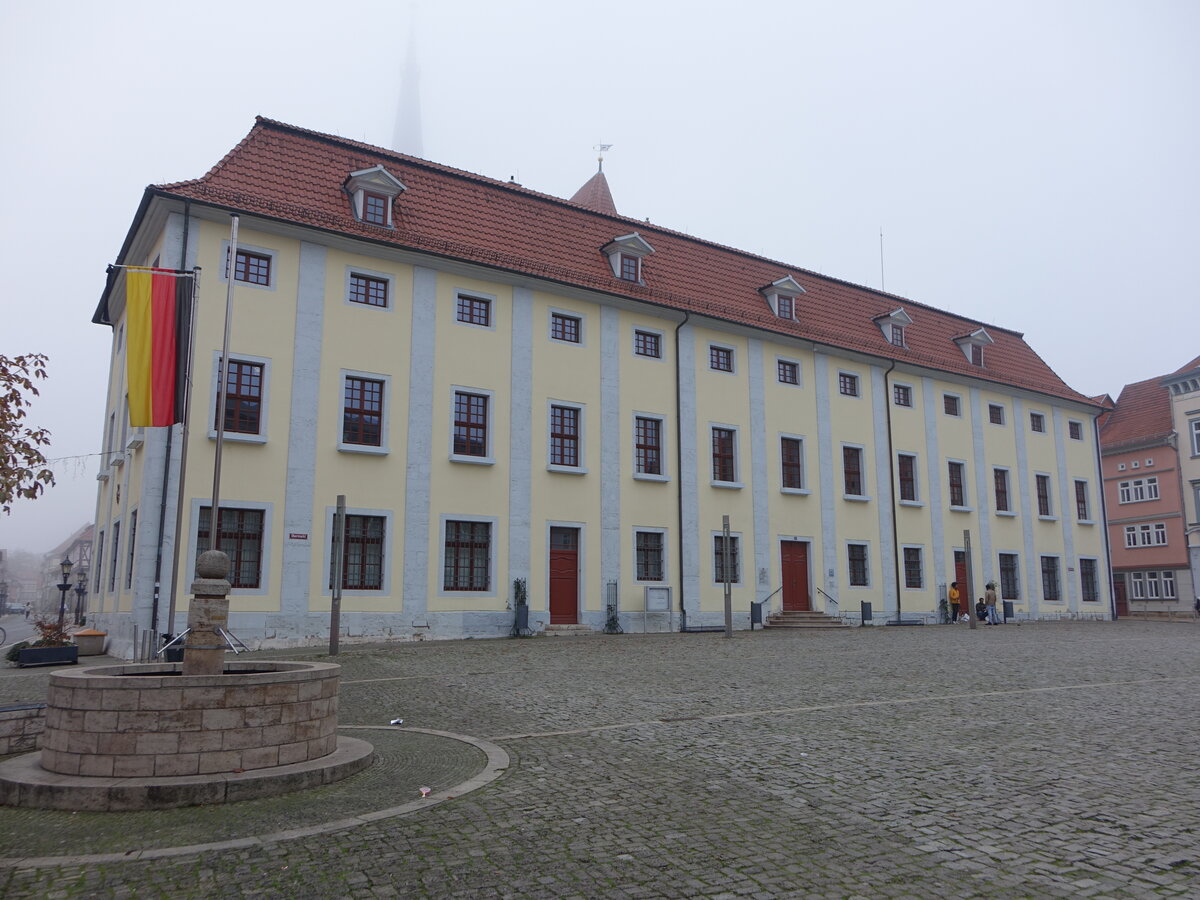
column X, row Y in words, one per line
column 525, row 396
column 1148, row 514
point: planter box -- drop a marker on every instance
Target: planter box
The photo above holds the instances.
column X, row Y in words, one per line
column 48, row 656
column 90, row 642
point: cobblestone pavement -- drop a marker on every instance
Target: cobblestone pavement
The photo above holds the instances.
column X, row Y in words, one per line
column 1043, row 760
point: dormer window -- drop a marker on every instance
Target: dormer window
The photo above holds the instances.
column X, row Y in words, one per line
column 972, row 345
column 372, row 193
column 892, row 326
column 375, row 208
column 625, row 256
column 781, row 296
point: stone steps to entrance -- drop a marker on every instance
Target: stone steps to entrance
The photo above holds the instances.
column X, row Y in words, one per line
column 804, row 619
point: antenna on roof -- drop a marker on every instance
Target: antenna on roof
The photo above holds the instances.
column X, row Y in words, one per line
column 882, row 283
column 602, row 148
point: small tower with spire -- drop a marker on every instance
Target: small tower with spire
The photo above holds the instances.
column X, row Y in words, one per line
column 595, row 194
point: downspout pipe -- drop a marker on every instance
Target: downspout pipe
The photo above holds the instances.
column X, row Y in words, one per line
column 887, row 401
column 679, row 467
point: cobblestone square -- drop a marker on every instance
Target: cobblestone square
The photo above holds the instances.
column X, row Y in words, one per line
column 1034, row 760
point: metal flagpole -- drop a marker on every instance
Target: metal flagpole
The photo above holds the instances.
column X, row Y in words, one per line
column 214, row 521
column 180, row 541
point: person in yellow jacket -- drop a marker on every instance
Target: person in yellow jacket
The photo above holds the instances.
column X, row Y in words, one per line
column 955, row 609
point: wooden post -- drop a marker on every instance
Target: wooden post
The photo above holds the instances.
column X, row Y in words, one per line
column 970, row 579
column 726, row 562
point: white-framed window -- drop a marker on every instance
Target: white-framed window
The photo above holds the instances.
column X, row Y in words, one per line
column 648, row 343
column 787, row 371
column 735, row 564
column 649, row 447
column 566, row 327
column 854, row 473
column 724, row 451
column 1044, row 496
column 1037, row 422
column 1194, row 425
column 957, row 474
column 1138, row 490
column 995, row 414
column 858, row 563
column 363, row 427
column 1083, row 506
column 1074, row 430
column 1003, row 495
column 468, row 556
column 471, row 426
column 255, row 268
column 565, row 438
column 908, row 478
column 1051, row 583
column 1089, row 580
column 914, row 569
column 952, row 404
column 721, row 358
column 791, row 464
column 247, row 398
column 244, row 536
column 650, row 555
column 902, row 395
column 367, row 288
column 475, row 309
column 366, row 562
column 848, row 384
column 1010, row 576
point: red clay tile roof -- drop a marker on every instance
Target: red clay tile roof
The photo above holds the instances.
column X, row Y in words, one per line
column 294, row 175
column 596, row 196
column 1142, row 416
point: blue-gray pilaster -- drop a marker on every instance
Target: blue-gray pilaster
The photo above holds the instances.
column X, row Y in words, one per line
column 610, row 446
column 943, row 561
column 982, row 511
column 418, row 533
column 883, row 489
column 760, row 476
column 520, row 447
column 1066, row 511
column 691, row 539
column 299, row 498
column 1033, row 584
column 827, row 464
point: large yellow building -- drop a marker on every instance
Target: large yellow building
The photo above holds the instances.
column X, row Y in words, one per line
column 510, row 387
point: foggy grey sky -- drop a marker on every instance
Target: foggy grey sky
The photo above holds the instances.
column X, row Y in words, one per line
column 1031, row 164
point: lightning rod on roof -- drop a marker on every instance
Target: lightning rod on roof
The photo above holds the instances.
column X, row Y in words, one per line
column 882, row 283
column 602, row 148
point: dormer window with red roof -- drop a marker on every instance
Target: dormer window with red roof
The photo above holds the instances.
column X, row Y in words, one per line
column 372, row 193
column 781, row 296
column 972, row 345
column 893, row 326
column 625, row 255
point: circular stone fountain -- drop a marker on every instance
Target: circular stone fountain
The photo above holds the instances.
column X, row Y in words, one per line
column 158, row 735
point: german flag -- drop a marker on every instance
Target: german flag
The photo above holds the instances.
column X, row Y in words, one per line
column 158, row 313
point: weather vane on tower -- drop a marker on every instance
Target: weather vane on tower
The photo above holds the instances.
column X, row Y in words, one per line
column 602, row 148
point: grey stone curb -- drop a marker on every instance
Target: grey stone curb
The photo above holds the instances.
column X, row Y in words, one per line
column 497, row 764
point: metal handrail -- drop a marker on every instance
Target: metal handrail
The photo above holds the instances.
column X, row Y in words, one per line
column 832, row 600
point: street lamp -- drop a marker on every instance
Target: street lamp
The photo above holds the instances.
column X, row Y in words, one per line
column 65, row 585
column 80, row 593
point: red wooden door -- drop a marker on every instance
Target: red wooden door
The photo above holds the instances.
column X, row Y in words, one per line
column 965, row 603
column 564, row 576
column 1122, row 600
column 793, row 558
